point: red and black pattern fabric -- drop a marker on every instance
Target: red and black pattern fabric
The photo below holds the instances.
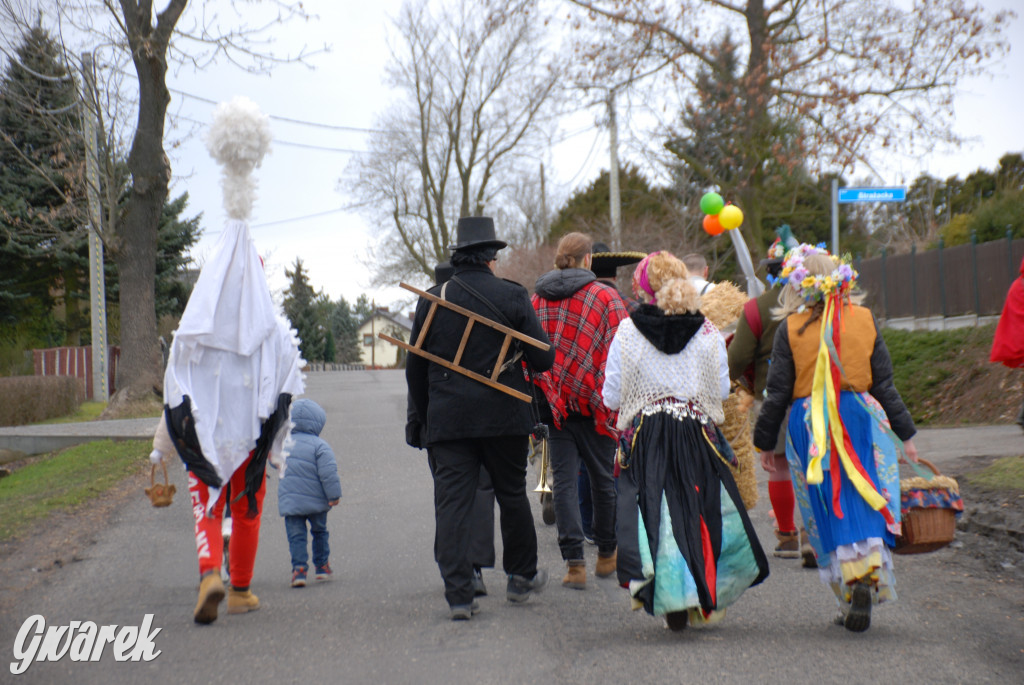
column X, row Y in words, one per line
column 581, row 328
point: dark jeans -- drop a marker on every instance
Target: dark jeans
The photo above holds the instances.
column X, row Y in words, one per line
column 456, row 474
column 575, row 441
column 295, row 527
column 586, row 502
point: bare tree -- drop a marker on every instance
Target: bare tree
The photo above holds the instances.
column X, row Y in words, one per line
column 476, row 94
column 151, row 40
column 856, row 81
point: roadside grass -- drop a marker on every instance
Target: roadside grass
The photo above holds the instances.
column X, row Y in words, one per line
column 1003, row 474
column 924, row 360
column 87, row 411
column 64, row 480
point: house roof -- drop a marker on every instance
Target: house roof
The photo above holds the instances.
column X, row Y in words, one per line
column 394, row 317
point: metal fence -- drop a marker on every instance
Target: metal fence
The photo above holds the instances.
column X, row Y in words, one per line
column 946, row 282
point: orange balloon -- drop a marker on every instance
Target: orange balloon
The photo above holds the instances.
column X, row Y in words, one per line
column 712, row 225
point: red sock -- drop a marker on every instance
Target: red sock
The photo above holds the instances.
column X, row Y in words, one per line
column 780, row 492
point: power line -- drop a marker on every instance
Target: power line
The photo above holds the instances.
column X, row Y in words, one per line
column 314, row 124
column 287, row 143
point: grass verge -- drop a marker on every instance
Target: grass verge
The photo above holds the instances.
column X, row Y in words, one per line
column 64, row 480
column 1003, row 474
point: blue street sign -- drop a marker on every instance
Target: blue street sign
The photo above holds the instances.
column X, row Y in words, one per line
column 894, row 194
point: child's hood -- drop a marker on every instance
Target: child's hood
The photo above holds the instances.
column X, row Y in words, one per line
column 308, row 416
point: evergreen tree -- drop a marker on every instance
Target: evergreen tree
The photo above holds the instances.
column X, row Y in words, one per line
column 329, row 347
column 345, row 327
column 643, row 205
column 42, row 255
column 300, row 306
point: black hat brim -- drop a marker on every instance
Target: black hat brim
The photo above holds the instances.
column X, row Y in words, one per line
column 497, row 244
column 605, row 264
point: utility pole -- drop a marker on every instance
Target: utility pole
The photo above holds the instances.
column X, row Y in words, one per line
column 543, row 232
column 613, row 173
column 97, row 289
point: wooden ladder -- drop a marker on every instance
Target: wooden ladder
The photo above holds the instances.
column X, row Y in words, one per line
column 472, row 318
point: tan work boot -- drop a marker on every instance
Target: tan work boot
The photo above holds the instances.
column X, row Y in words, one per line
column 211, row 592
column 242, row 601
column 576, row 575
column 809, row 559
column 606, row 564
column 789, row 545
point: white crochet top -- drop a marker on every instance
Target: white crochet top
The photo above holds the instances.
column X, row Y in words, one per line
column 638, row 374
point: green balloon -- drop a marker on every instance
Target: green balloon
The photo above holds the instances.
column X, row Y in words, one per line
column 711, row 203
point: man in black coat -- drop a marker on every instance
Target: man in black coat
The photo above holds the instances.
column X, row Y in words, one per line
column 470, row 424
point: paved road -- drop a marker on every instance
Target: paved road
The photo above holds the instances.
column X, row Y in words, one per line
column 384, row 619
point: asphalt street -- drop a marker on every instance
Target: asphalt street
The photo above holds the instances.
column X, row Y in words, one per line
column 384, row 618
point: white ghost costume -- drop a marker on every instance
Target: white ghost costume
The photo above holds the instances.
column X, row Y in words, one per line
column 233, row 356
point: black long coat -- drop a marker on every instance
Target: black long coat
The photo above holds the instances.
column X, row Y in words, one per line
column 453, row 405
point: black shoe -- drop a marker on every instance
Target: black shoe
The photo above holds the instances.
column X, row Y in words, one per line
column 479, row 589
column 858, row 619
column 520, row 588
column 463, row 612
column 677, row 620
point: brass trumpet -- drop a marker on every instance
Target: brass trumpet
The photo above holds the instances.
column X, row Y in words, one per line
column 547, row 501
column 542, row 483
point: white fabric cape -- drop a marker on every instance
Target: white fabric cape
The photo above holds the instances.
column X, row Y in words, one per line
column 233, row 355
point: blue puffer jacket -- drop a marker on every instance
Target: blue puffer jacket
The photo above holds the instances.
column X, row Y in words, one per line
column 310, row 479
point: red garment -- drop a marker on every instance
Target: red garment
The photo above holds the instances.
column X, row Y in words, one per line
column 245, row 530
column 581, row 328
column 1008, row 343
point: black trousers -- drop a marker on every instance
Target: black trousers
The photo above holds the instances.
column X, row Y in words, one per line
column 456, row 473
column 481, row 526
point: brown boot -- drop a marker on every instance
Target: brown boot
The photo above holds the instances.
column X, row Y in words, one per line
column 606, row 564
column 242, row 601
column 789, row 545
column 809, row 559
column 211, row 592
column 576, row 575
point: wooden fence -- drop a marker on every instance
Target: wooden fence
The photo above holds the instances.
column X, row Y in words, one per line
column 77, row 362
column 945, row 282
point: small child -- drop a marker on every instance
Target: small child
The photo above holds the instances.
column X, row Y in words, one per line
column 307, row 491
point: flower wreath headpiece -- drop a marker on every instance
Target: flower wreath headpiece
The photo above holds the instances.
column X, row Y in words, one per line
column 813, row 288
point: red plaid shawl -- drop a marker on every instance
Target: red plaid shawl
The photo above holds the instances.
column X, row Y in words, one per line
column 581, row 328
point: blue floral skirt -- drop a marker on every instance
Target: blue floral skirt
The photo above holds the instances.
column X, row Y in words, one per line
column 856, row 545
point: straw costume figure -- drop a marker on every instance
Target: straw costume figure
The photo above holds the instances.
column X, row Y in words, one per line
column 723, row 306
column 233, row 369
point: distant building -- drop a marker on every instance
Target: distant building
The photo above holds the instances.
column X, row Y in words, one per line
column 377, row 352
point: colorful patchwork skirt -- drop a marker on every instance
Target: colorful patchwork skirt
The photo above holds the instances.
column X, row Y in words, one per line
column 697, row 545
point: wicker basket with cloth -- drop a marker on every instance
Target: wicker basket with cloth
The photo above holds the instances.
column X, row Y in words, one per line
column 929, row 504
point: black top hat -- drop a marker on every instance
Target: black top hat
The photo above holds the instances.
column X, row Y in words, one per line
column 604, row 262
column 476, row 231
column 443, row 272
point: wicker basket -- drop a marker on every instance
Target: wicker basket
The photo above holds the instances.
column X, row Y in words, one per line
column 926, row 529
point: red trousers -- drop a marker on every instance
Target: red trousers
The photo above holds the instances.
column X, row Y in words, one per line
column 245, row 530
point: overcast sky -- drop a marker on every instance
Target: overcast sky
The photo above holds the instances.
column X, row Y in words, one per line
column 300, row 209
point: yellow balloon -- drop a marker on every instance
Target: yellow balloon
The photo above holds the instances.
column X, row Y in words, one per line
column 730, row 217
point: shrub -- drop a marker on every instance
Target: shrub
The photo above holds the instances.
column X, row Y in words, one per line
column 30, row 399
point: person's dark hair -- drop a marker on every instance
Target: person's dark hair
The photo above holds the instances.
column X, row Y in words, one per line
column 773, row 267
column 474, row 257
